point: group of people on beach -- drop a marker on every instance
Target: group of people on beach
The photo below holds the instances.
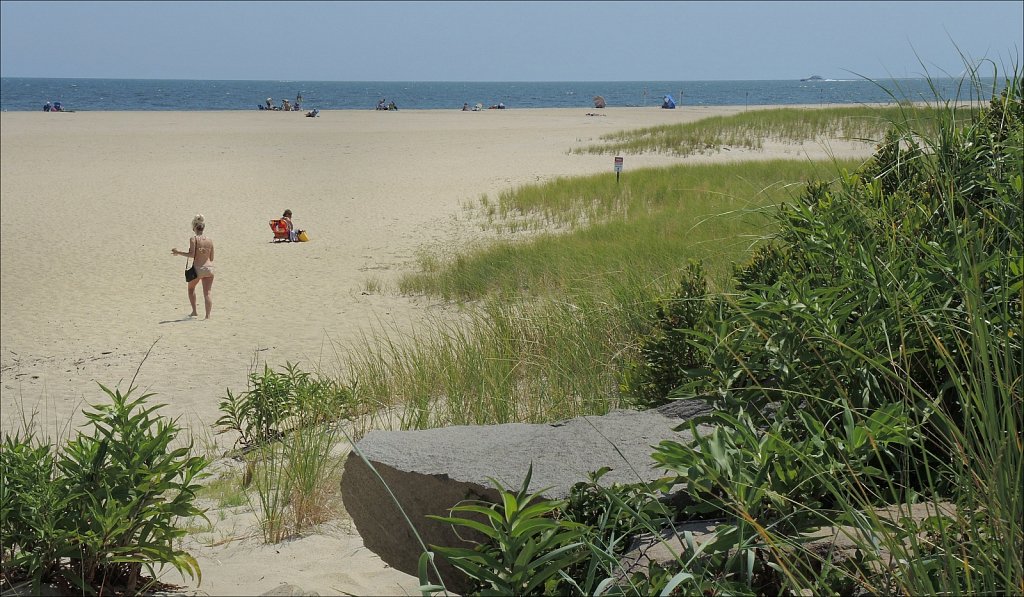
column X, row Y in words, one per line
column 479, row 106
column 383, row 104
column 286, row 105
column 54, row 107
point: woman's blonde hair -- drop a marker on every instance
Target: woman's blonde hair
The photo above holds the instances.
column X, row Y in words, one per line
column 198, row 223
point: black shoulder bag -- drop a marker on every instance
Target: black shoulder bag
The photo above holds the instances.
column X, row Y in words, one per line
column 190, row 273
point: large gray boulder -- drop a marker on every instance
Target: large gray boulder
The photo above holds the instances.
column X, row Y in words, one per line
column 429, row 471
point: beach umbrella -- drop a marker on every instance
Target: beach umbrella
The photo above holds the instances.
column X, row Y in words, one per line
column 598, row 101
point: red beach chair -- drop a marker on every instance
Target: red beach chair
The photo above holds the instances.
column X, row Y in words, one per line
column 280, row 228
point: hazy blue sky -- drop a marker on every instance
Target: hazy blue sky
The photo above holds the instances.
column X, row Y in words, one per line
column 504, row 41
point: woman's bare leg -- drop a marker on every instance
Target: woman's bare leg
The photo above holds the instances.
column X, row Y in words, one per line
column 207, row 286
column 192, row 296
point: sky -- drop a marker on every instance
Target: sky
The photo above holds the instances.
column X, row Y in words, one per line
column 507, row 41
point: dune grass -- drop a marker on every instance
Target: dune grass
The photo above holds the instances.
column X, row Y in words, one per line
column 601, row 232
column 552, row 315
column 749, row 130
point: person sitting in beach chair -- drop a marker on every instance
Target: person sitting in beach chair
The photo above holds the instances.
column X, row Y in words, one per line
column 293, row 234
column 281, row 230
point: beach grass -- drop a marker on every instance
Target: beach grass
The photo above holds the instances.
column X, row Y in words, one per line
column 591, row 231
column 551, row 315
column 749, row 130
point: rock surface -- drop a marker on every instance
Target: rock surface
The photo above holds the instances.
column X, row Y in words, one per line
column 432, row 470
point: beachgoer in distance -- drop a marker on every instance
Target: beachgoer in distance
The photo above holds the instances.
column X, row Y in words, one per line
column 270, row 103
column 200, row 249
column 47, row 106
column 293, row 234
column 287, row 217
column 465, row 107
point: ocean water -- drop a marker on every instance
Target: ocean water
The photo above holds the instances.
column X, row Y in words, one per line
column 27, row 94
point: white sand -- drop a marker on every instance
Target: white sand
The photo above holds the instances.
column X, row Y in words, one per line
column 91, row 204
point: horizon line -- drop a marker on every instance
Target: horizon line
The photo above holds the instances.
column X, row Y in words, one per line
column 849, row 78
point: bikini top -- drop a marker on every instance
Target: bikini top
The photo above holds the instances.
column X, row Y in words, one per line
column 201, row 249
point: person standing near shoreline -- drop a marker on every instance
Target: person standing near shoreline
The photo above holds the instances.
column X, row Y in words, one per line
column 200, row 249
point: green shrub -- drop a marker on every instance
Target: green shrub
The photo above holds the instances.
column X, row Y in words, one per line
column 36, row 516
column 93, row 514
column 287, row 424
column 615, row 516
column 870, row 355
column 276, row 402
column 667, row 356
column 526, row 546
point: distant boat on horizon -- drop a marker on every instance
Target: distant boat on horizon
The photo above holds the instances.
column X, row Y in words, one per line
column 813, row 78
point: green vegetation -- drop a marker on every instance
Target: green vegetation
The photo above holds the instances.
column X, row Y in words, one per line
column 91, row 515
column 276, row 403
column 526, row 546
column 749, row 130
column 600, row 231
column 289, row 425
column 556, row 318
column 865, row 361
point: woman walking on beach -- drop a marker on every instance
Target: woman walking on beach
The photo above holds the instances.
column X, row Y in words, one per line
column 200, row 249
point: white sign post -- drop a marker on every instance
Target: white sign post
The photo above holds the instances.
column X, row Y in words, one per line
column 618, row 168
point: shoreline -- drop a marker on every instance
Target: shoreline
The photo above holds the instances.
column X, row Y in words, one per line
column 679, row 107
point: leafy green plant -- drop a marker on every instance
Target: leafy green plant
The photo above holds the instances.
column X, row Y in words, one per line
column 36, row 520
column 95, row 513
column 526, row 545
column 614, row 516
column 276, row 402
column 288, row 423
column 871, row 355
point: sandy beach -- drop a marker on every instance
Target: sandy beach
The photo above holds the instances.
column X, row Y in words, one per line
column 91, row 204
